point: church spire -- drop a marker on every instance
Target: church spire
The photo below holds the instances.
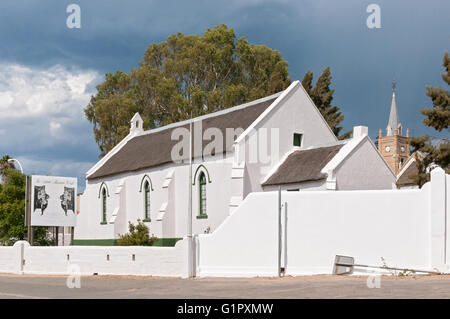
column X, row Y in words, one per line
column 394, row 126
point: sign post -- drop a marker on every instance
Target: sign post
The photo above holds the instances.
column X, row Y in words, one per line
column 28, row 209
column 51, row 201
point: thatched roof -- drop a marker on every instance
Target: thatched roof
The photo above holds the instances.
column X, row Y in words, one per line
column 153, row 148
column 303, row 166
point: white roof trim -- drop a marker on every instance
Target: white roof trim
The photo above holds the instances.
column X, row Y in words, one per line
column 343, row 153
column 276, row 167
column 275, row 103
column 294, row 85
column 108, row 155
column 408, row 163
column 318, row 112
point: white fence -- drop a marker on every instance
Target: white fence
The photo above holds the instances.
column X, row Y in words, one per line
column 112, row 260
column 407, row 228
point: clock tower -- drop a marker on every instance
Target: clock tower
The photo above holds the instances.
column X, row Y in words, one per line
column 394, row 146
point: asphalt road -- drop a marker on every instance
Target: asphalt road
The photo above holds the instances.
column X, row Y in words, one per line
column 27, row 286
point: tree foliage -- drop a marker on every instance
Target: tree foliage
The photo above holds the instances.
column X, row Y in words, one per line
column 12, row 208
column 185, row 74
column 138, row 235
column 437, row 117
column 4, row 165
column 322, row 96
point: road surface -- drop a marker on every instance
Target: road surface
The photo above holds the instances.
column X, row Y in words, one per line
column 30, row 286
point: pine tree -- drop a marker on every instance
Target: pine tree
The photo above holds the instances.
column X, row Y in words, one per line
column 437, row 117
column 322, row 97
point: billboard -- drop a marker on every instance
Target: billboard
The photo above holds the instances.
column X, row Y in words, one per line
column 53, row 201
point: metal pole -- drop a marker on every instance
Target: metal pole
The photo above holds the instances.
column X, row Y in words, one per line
column 25, row 220
column 396, row 268
column 27, row 215
column 189, row 230
column 279, row 231
column 28, row 210
column 285, row 237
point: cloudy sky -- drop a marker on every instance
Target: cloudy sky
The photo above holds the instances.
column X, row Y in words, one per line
column 48, row 72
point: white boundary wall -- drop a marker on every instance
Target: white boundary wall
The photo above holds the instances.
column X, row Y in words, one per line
column 10, row 259
column 408, row 228
column 148, row 261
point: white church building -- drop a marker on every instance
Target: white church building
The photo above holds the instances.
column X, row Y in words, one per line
column 278, row 141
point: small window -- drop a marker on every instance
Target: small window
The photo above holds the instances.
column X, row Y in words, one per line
column 298, row 139
column 146, row 201
column 104, row 206
column 202, row 195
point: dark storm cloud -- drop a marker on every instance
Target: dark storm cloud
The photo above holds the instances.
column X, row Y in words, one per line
column 310, row 34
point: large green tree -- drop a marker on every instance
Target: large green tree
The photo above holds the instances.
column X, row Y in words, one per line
column 322, row 96
column 437, row 117
column 186, row 74
column 12, row 208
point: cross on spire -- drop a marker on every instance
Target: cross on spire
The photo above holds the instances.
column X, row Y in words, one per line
column 394, row 126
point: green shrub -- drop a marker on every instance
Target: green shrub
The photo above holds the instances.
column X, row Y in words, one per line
column 138, row 235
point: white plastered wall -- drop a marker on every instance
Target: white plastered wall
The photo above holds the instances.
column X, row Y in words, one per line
column 408, row 228
column 174, row 199
column 364, row 169
column 89, row 260
column 295, row 113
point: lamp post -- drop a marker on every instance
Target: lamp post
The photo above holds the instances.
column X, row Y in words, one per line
column 27, row 213
column 12, row 160
column 189, row 224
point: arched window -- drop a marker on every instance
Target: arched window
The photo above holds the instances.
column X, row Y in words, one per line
column 202, row 195
column 146, row 201
column 104, row 206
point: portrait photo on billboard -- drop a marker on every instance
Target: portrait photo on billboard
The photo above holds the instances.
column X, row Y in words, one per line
column 53, row 201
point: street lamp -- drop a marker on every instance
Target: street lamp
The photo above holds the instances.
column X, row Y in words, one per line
column 12, row 160
column 27, row 216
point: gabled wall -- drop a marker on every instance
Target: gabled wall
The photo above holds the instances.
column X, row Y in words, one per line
column 364, row 168
column 294, row 113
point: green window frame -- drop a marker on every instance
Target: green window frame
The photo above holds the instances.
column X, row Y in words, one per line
column 202, row 196
column 146, row 202
column 298, row 139
column 104, row 206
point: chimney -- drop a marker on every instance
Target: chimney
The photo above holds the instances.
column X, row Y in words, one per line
column 359, row 131
column 136, row 124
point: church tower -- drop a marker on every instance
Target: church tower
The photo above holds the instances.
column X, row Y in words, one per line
column 394, row 147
